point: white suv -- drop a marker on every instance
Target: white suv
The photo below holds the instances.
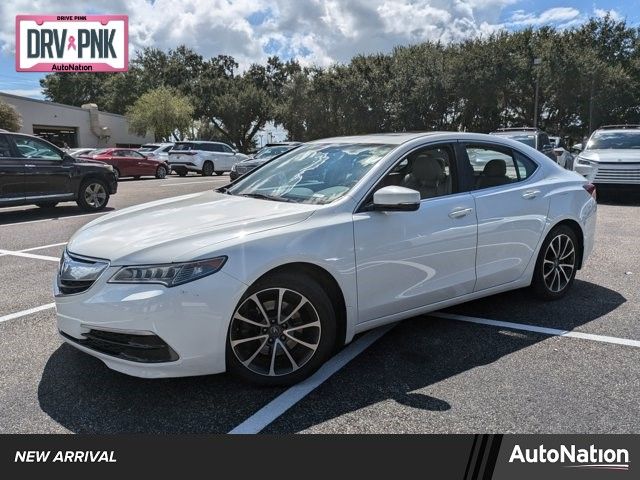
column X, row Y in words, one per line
column 611, row 156
column 203, row 157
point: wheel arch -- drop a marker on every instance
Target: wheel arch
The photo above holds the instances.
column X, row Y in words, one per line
column 577, row 229
column 328, row 283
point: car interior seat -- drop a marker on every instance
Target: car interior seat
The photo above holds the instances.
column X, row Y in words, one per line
column 493, row 174
column 428, row 176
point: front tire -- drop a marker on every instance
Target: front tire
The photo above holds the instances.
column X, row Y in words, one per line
column 557, row 264
column 207, row 169
column 161, row 172
column 93, row 195
column 282, row 331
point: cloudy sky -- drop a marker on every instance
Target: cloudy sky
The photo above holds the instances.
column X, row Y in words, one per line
column 313, row 31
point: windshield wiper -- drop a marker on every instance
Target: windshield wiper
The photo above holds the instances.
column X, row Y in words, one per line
column 262, row 196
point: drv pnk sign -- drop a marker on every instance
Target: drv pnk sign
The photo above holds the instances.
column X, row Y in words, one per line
column 72, row 43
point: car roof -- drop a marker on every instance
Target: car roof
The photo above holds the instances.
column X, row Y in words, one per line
column 404, row 137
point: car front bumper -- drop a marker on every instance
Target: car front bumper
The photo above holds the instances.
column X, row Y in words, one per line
column 152, row 331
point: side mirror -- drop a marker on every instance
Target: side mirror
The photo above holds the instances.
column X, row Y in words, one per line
column 396, row 199
column 577, row 148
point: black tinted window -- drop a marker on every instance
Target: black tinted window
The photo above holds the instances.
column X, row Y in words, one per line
column 5, row 149
column 489, row 166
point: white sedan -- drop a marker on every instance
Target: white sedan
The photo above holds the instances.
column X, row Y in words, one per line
column 267, row 276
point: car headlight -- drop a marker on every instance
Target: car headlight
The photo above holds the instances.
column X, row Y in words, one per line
column 170, row 274
column 584, row 161
column 233, row 168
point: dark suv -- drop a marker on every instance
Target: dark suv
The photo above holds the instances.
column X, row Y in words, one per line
column 34, row 171
column 529, row 136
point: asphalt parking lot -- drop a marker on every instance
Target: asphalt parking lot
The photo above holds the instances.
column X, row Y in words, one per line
column 458, row 372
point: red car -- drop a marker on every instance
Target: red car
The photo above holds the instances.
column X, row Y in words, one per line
column 127, row 162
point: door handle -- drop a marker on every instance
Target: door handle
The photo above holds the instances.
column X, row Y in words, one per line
column 530, row 194
column 460, row 212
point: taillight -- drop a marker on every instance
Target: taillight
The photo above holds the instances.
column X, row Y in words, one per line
column 591, row 189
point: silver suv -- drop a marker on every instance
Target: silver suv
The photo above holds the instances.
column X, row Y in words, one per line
column 203, row 157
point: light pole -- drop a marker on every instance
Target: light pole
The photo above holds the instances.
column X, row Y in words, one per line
column 536, row 65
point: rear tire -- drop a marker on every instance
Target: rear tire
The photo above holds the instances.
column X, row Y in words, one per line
column 93, row 195
column 557, row 264
column 293, row 342
column 207, row 169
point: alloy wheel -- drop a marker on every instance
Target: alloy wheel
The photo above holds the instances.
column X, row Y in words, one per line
column 559, row 263
column 95, row 195
column 275, row 332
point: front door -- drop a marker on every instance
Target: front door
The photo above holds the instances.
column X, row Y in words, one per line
column 407, row 260
column 47, row 174
column 11, row 174
column 511, row 209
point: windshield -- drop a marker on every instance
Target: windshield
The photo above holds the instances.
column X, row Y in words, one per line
column 269, row 152
column 526, row 139
column 614, row 140
column 319, row 173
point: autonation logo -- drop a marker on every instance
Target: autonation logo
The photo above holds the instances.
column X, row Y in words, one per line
column 574, row 457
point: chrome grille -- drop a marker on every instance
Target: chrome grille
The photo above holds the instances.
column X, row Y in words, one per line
column 618, row 173
column 77, row 274
column 242, row 169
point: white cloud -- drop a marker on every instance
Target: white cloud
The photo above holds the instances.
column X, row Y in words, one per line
column 314, row 31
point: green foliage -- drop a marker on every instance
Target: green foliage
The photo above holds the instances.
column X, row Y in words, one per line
column 164, row 112
column 9, row 118
column 588, row 76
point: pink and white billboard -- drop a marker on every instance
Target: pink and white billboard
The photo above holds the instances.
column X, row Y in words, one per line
column 72, row 43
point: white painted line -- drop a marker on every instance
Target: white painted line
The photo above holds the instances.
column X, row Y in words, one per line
column 29, row 255
column 35, row 248
column 544, row 330
column 23, row 313
column 51, row 219
column 182, row 184
column 283, row 402
column 43, row 247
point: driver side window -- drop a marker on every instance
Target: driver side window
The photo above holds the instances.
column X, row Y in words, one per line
column 34, row 148
column 427, row 170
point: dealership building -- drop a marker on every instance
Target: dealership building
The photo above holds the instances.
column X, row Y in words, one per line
column 69, row 126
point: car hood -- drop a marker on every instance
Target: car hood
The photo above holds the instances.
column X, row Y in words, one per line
column 612, row 156
column 181, row 228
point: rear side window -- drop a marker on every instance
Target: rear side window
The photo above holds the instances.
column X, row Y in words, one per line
column 487, row 166
column 227, row 149
column 186, row 146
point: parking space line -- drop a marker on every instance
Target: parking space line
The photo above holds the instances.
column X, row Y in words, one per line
column 24, row 313
column 51, row 219
column 544, row 330
column 283, row 402
column 29, row 255
column 35, row 248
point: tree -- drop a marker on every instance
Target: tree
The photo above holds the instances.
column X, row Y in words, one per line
column 164, row 112
column 9, row 118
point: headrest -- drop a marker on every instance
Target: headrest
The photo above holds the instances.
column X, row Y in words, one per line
column 495, row 168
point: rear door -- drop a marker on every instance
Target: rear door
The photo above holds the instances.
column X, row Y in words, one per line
column 46, row 174
column 511, row 208
column 11, row 174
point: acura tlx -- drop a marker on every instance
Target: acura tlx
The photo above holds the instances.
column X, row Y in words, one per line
column 269, row 275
